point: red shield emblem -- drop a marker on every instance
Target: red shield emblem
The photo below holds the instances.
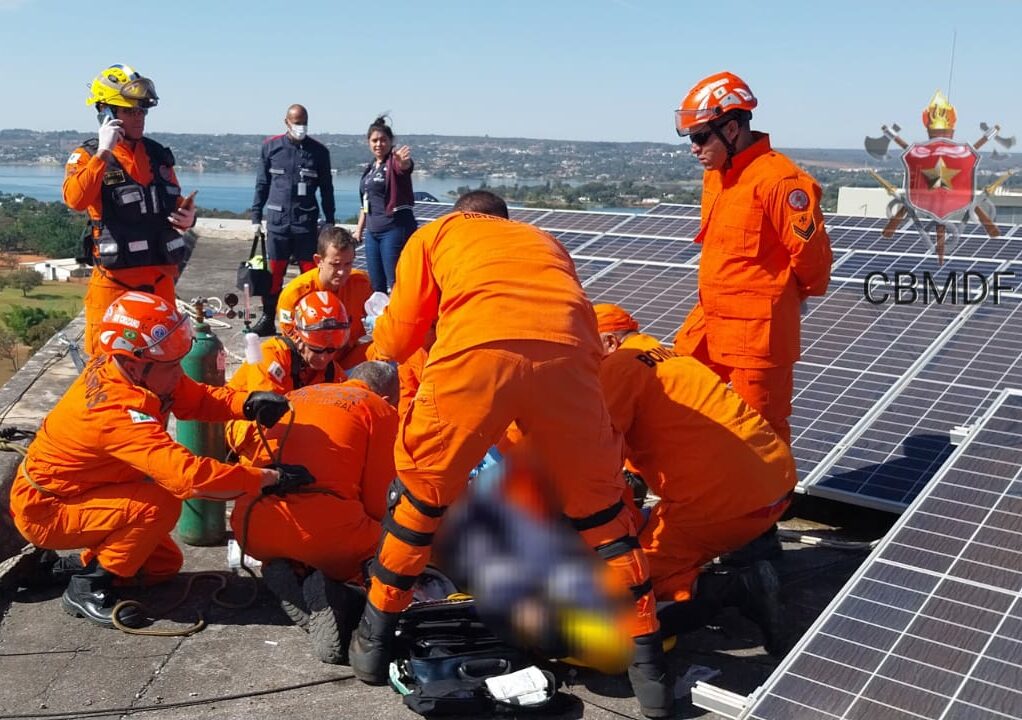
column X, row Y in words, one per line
column 940, row 177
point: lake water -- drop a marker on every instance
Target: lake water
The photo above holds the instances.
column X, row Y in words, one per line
column 224, row 191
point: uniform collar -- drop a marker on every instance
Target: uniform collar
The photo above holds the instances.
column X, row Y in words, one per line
column 760, row 146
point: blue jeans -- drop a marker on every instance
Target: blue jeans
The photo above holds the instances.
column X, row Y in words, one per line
column 382, row 251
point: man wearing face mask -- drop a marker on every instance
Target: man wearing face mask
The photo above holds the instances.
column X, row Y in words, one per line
column 294, row 166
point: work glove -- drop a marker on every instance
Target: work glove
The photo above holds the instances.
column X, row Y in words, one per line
column 292, row 477
column 374, row 307
column 257, row 231
column 110, row 133
column 265, row 407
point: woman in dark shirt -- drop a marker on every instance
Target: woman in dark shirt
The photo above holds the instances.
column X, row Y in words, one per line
column 386, row 220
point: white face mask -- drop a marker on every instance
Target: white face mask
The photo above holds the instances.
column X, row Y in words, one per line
column 298, row 132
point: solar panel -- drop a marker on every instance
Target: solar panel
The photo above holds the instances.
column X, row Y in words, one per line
column 430, row 210
column 580, row 220
column 931, row 624
column 861, row 263
column 676, row 210
column 587, row 268
column 528, row 215
column 641, row 248
column 894, row 457
column 573, row 240
column 656, row 226
column 659, row 297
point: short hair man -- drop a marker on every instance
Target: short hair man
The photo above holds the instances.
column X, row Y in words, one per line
column 333, row 273
column 515, row 341
column 723, row 475
column 292, row 167
column 313, row 542
column 103, row 473
column 764, row 249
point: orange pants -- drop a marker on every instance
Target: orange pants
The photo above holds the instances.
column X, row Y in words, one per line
column 464, row 404
column 767, row 390
column 105, row 286
column 125, row 525
column 324, row 532
column 678, row 543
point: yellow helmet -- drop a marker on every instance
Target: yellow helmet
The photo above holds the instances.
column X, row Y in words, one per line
column 120, row 85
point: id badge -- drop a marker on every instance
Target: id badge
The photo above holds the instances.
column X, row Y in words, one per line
column 302, row 188
column 365, row 203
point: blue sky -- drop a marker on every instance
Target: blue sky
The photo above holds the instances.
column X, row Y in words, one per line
column 826, row 73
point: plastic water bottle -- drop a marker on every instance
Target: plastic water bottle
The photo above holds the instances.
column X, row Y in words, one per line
column 252, row 352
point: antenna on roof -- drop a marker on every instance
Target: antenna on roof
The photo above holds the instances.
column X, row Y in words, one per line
column 951, row 70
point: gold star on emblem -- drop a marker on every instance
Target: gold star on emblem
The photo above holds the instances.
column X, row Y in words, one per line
column 940, row 175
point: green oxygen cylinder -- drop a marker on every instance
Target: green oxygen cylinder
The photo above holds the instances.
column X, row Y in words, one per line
column 203, row 522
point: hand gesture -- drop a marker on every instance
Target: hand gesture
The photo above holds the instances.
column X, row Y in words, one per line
column 110, row 133
column 404, row 156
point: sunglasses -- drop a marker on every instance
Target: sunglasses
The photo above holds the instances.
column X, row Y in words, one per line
column 320, row 350
column 701, row 138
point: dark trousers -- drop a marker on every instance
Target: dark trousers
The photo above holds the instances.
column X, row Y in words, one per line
column 382, row 249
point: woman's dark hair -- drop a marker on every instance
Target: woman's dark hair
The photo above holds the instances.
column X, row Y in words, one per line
column 380, row 124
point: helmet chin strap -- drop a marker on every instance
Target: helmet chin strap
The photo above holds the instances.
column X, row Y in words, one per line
column 730, row 146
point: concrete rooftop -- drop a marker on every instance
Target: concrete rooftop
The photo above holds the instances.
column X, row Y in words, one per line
column 251, row 662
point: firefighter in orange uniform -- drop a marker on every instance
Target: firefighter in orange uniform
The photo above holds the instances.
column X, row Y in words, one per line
column 723, row 475
column 306, row 355
column 104, row 474
column 344, row 434
column 333, row 273
column 126, row 183
column 764, row 249
column 516, row 341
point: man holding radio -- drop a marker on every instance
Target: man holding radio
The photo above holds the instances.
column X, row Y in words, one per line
column 126, row 184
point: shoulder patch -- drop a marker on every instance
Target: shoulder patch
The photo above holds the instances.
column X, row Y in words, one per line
column 807, row 230
column 276, row 371
column 137, row 416
column 74, row 157
column 798, row 200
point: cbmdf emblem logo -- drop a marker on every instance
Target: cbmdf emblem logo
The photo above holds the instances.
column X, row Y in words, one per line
column 939, row 194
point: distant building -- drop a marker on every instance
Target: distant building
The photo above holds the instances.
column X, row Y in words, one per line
column 873, row 201
column 63, row 269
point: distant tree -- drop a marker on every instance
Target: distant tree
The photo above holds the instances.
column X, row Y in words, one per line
column 9, row 347
column 37, row 335
column 25, row 280
column 20, row 319
column 8, row 261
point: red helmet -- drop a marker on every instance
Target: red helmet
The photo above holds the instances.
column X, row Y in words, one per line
column 321, row 320
column 710, row 98
column 145, row 327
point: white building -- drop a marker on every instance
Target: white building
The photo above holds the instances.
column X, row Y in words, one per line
column 55, row 269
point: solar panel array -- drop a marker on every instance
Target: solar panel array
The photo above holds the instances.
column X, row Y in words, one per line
column 883, row 383
column 931, row 624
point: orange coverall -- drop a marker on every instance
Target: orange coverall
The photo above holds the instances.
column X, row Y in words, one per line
column 764, row 251
column 112, row 478
column 344, row 434
column 83, row 181
column 723, row 475
column 516, row 341
column 274, row 373
column 352, row 294
column 409, row 373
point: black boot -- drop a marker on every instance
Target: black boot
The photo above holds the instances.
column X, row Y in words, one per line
column 369, row 652
column 91, row 595
column 56, row 570
column 266, row 324
column 334, row 609
column 283, row 582
column 754, row 590
column 651, row 677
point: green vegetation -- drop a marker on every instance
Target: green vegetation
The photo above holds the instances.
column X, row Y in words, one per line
column 42, row 228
